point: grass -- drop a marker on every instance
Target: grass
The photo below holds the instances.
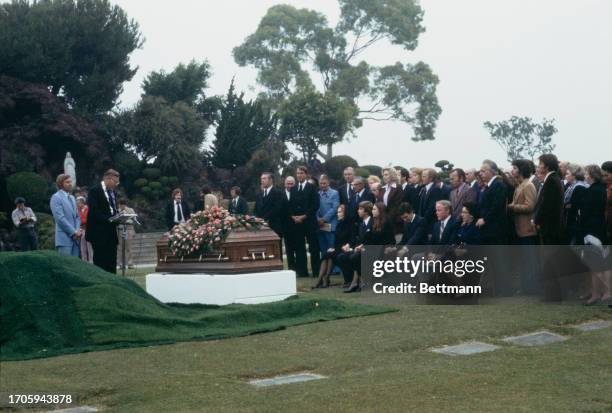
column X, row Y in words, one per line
column 378, row 363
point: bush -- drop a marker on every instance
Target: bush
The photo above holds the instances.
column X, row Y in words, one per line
column 146, row 190
column 335, row 166
column 155, row 185
column 140, row 182
column 46, row 231
column 31, row 186
column 173, row 181
column 374, row 170
column 151, row 173
column 164, row 180
column 363, row 172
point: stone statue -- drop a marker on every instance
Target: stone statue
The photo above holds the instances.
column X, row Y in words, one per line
column 70, row 168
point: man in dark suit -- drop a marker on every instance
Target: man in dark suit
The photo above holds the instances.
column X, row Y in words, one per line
column 444, row 230
column 101, row 233
column 238, row 205
column 177, row 211
column 548, row 220
column 346, row 191
column 303, row 207
column 414, row 232
column 492, row 223
column 287, row 223
column 269, row 204
column 360, row 194
column 430, row 194
column 548, row 214
column 410, row 192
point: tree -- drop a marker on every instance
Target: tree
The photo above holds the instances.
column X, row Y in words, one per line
column 310, row 119
column 242, row 128
column 290, row 45
column 37, row 129
column 79, row 49
column 522, row 138
column 185, row 83
column 168, row 136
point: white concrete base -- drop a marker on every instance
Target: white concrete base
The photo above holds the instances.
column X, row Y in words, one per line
column 221, row 289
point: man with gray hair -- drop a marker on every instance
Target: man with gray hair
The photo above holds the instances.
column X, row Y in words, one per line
column 492, row 223
column 360, row 193
column 346, row 190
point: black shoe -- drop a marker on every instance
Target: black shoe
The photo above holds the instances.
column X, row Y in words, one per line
column 317, row 285
column 353, row 289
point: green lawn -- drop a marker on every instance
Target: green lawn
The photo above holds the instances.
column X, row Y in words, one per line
column 374, row 364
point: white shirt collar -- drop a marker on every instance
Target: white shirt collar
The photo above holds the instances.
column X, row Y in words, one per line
column 365, row 221
column 446, row 221
column 428, row 186
column 492, row 180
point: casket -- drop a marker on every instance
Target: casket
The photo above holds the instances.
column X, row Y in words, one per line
column 243, row 251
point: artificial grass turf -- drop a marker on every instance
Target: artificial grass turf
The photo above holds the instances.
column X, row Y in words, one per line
column 52, row 305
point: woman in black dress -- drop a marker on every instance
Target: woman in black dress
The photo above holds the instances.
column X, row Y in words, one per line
column 593, row 226
column 344, row 235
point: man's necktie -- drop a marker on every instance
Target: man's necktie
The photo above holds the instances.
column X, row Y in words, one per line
column 441, row 229
column 111, row 201
column 179, row 213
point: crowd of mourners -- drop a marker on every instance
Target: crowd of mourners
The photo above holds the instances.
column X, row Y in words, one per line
column 549, row 204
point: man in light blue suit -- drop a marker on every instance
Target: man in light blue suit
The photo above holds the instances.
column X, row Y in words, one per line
column 327, row 217
column 67, row 221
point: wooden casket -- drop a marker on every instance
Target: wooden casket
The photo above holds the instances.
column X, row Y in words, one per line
column 243, row 251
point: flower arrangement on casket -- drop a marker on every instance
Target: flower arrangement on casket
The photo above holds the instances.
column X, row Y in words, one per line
column 206, row 230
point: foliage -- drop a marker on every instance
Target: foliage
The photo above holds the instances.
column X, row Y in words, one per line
column 242, row 128
column 291, row 45
column 374, row 170
column 168, row 136
column 445, row 168
column 46, row 231
column 310, row 119
column 522, row 138
column 186, row 83
column 334, row 167
column 66, row 46
column 207, row 229
column 29, row 185
column 363, row 172
column 36, row 129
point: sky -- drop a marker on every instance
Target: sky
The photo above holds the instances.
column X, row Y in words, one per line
column 495, row 59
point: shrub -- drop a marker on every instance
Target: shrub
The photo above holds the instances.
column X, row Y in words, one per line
column 363, row 172
column 374, row 170
column 151, row 173
column 140, row 182
column 31, row 186
column 335, row 166
column 164, row 180
column 173, row 181
column 46, row 231
column 155, row 185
